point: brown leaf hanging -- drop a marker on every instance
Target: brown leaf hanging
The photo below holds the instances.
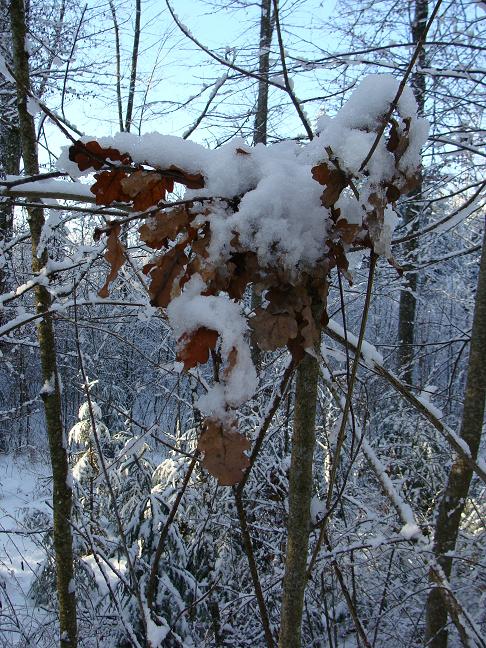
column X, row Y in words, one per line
column 333, row 179
column 194, row 347
column 164, row 226
column 273, row 331
column 223, row 447
column 115, row 256
column 146, row 188
column 91, row 155
column 163, row 273
column 108, row 188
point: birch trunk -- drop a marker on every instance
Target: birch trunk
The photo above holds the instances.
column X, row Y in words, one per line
column 51, row 395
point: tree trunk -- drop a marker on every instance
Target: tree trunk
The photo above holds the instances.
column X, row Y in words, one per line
column 453, row 500
column 9, row 142
column 408, row 299
column 51, row 395
column 300, row 493
column 261, row 120
column 133, row 70
column 266, row 31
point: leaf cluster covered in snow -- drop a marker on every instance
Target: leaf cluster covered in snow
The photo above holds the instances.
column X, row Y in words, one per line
column 257, row 216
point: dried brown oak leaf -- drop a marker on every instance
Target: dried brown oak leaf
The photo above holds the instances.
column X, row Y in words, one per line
column 164, row 226
column 272, row 331
column 90, row 155
column 146, row 188
column 392, row 193
column 115, row 256
column 194, row 348
column 108, row 188
column 224, row 451
column 308, row 329
column 333, row 179
column 347, row 231
column 190, row 180
column 398, row 142
column 163, row 273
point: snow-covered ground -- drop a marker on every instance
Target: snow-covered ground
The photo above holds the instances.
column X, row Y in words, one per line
column 24, row 517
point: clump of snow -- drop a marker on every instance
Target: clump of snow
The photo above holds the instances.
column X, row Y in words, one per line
column 190, row 311
column 85, row 414
column 410, row 531
column 156, row 633
column 317, row 509
column 280, row 215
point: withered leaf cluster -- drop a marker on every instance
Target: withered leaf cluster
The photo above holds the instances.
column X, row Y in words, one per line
column 293, row 308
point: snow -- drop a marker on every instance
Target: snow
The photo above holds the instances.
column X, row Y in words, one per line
column 280, row 215
column 4, row 71
column 51, row 187
column 317, row 509
column 424, row 398
column 156, row 633
column 49, row 386
column 369, row 353
column 411, row 531
column 21, row 553
column 192, row 310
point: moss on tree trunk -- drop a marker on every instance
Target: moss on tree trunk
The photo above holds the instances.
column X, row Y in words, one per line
column 300, row 493
column 51, row 394
column 453, row 500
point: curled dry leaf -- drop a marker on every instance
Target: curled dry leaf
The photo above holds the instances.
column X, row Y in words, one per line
column 115, row 256
column 108, row 187
column 231, row 361
column 273, row 330
column 347, row 231
column 190, row 180
column 333, row 179
column 224, row 451
column 243, row 269
column 375, row 217
column 146, row 188
column 194, row 348
column 90, row 155
column 392, row 193
column 164, row 226
column 163, row 272
column 309, row 329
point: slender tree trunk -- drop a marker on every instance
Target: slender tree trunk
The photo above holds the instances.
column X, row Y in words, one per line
column 261, row 117
column 51, row 395
column 266, row 31
column 453, row 501
column 300, row 493
column 9, row 141
column 133, row 71
column 408, row 299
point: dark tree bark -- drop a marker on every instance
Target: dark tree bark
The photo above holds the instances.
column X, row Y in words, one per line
column 266, row 31
column 408, row 300
column 453, row 500
column 51, row 395
column 261, row 117
column 300, row 493
column 9, row 138
column 133, row 71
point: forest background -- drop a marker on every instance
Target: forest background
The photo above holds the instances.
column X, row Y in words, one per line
column 359, row 517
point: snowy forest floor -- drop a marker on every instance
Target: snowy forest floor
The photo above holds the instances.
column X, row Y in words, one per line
column 25, row 517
